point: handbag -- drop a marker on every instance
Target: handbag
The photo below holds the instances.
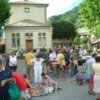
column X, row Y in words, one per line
column 87, row 76
column 14, row 92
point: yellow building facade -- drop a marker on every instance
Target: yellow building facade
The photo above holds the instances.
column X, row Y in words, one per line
column 27, row 27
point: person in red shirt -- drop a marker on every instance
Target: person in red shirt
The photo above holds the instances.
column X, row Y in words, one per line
column 20, row 81
column 22, row 84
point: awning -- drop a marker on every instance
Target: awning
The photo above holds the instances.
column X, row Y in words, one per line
column 96, row 41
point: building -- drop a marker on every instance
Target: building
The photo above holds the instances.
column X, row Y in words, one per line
column 61, row 43
column 27, row 27
column 2, row 43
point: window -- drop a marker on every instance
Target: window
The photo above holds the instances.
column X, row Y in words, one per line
column 42, row 39
column 16, row 40
column 27, row 10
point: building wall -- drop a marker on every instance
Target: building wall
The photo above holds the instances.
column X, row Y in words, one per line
column 23, row 38
column 37, row 13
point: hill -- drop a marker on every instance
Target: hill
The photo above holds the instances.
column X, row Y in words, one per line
column 71, row 16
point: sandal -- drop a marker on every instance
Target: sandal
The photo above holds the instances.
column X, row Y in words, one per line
column 91, row 92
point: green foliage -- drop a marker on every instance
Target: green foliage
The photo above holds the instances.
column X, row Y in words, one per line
column 89, row 50
column 90, row 14
column 77, row 41
column 4, row 12
column 97, row 30
column 84, row 40
column 63, row 30
column 70, row 16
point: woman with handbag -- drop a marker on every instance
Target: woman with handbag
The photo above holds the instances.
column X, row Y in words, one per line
column 96, row 71
column 90, row 63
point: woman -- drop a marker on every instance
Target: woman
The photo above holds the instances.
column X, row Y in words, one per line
column 96, row 71
column 62, row 64
column 37, row 69
column 13, row 62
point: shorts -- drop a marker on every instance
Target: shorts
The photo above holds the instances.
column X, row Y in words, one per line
column 91, row 80
column 13, row 68
column 62, row 68
column 25, row 95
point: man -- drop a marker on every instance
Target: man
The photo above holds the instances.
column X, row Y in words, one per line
column 90, row 62
column 5, row 78
column 29, row 65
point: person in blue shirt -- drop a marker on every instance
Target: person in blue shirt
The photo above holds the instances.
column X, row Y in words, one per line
column 5, row 78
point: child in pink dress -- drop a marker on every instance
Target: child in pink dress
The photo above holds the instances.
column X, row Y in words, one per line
column 50, row 82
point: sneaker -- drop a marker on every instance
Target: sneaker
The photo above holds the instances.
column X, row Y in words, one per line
column 56, row 92
column 59, row 88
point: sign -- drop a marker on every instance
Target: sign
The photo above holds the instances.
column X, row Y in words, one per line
column 28, row 34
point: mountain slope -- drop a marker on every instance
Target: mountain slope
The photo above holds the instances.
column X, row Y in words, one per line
column 71, row 16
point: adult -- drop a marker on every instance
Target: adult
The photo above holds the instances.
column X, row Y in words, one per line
column 62, row 64
column 13, row 61
column 81, row 52
column 96, row 71
column 29, row 65
column 37, row 69
column 21, row 83
column 5, row 78
column 42, row 53
column 90, row 63
column 7, row 61
column 52, row 58
column 0, row 55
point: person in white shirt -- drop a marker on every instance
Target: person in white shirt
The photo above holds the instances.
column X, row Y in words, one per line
column 13, row 62
column 52, row 58
column 81, row 52
column 90, row 63
column 37, row 69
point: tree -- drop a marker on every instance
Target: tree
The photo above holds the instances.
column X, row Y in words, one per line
column 84, row 40
column 77, row 41
column 4, row 13
column 63, row 30
column 90, row 14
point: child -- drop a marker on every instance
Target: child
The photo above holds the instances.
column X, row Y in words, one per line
column 72, row 61
column 79, row 78
column 44, row 90
column 50, row 82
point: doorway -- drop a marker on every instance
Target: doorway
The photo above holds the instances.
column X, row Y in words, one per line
column 29, row 44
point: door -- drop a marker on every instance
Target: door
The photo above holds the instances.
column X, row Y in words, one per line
column 29, row 44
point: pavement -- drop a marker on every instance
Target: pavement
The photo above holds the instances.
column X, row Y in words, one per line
column 70, row 91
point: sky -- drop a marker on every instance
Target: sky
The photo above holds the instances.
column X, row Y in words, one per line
column 57, row 7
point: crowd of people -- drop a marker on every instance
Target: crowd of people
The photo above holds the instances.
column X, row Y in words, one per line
column 40, row 64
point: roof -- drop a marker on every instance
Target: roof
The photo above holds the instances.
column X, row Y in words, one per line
column 96, row 41
column 82, row 31
column 28, row 22
column 61, row 41
column 28, row 2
